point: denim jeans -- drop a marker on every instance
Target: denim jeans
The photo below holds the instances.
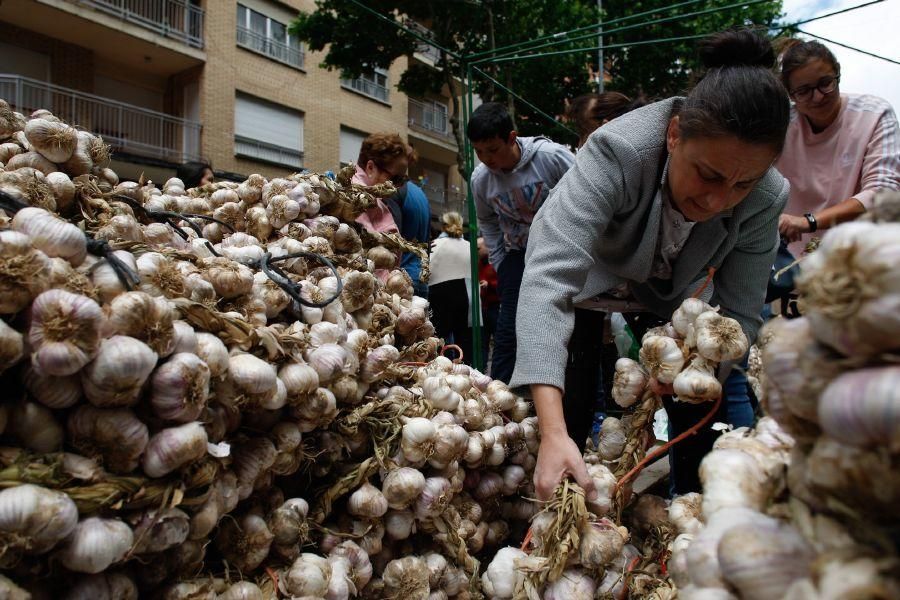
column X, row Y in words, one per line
column 509, row 280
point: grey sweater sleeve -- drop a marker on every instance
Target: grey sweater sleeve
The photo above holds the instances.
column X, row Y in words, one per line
column 488, row 221
column 561, row 250
column 740, row 282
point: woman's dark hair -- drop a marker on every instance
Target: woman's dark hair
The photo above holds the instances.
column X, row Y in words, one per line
column 190, row 173
column 490, row 120
column 796, row 53
column 738, row 94
column 589, row 111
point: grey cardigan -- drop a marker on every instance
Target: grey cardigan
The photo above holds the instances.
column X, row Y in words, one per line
column 600, row 226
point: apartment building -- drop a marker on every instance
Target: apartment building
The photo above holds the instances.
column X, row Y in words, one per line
column 167, row 81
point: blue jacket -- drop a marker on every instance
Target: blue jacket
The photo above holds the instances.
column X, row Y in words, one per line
column 416, row 227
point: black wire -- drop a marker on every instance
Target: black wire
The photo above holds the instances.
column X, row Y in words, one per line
column 266, row 264
column 126, row 274
column 10, row 204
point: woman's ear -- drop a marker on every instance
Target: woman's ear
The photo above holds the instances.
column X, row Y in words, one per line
column 673, row 134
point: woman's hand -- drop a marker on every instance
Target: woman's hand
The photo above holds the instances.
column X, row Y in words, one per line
column 792, row 228
column 558, row 458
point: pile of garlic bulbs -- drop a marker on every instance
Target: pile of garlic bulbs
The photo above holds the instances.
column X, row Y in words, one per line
column 222, row 392
column 804, row 506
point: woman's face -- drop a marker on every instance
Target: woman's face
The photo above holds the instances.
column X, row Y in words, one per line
column 710, row 175
column 804, row 86
column 394, row 171
column 207, row 177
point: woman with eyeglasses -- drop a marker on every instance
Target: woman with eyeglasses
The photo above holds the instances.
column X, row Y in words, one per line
column 840, row 148
column 383, row 157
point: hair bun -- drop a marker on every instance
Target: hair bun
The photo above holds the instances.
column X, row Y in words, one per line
column 734, row 48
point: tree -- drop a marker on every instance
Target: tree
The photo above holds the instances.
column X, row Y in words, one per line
column 358, row 41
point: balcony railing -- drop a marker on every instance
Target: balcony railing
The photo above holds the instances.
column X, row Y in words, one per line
column 367, row 87
column 127, row 128
column 256, row 42
column 430, row 116
column 431, row 52
column 446, row 199
column 265, row 152
column 179, row 20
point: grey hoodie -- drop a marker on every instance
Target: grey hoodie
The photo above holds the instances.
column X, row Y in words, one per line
column 506, row 202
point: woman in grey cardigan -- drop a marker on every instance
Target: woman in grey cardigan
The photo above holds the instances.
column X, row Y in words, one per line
column 655, row 200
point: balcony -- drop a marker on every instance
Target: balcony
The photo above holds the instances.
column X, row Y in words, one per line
column 175, row 19
column 444, row 199
column 129, row 129
column 256, row 42
column 367, row 87
column 430, row 117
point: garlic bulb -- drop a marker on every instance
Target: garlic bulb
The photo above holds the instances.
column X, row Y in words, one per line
column 229, row 278
column 115, row 435
column 574, row 584
column 143, row 317
column 51, row 391
column 249, row 380
column 340, row 586
column 368, row 502
column 288, row 522
column 35, row 427
column 117, row 375
column 156, row 531
column 501, row 578
column 399, row 524
column 179, row 388
column 435, row 497
column 51, row 235
column 662, row 358
column 12, row 346
column 851, row 291
column 761, row 560
column 213, row 352
column 65, row 332
column 612, row 439
column 309, row 576
column 629, row 382
column 860, row 408
column 417, row 439
column 242, row 590
column 604, row 482
column 684, row 513
column 24, row 271
column 684, row 316
column 33, row 520
column 95, row 544
column 720, row 338
column 733, row 479
column 244, row 543
column 601, row 542
column 174, row 447
column 697, row 382
column 160, row 276
column 105, row 279
column 103, row 586
column 55, row 140
column 408, row 577
column 402, row 486
column 329, row 361
column 702, row 554
column 63, row 189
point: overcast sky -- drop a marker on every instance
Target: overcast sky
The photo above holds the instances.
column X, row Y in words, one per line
column 873, row 28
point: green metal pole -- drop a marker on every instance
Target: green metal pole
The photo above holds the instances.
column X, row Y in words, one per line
column 698, row 13
column 478, row 361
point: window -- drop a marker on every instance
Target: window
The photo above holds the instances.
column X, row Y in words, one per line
column 429, row 115
column 261, row 34
column 351, row 142
column 267, row 132
column 374, row 85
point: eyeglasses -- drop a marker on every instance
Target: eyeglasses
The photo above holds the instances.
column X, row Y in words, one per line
column 397, row 180
column 825, row 86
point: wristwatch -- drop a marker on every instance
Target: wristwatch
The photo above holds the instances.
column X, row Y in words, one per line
column 813, row 224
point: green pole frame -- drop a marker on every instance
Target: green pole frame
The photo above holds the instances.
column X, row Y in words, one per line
column 478, row 361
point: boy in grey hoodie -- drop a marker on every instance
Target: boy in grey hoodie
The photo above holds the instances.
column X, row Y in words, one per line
column 509, row 186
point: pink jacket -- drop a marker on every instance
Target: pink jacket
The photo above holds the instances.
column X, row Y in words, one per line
column 378, row 218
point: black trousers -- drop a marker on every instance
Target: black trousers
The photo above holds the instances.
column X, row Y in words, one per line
column 450, row 314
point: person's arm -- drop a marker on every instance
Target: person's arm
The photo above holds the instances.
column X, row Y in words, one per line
column 558, row 456
column 880, row 170
column 563, row 241
column 563, row 160
column 489, row 227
